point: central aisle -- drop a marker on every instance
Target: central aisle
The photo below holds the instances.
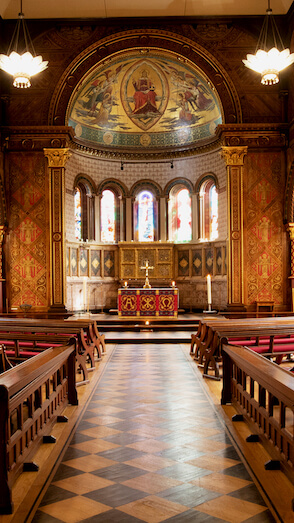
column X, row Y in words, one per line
column 151, row 447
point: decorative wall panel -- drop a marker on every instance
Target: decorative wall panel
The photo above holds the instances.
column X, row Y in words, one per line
column 74, row 262
column 83, row 262
column 28, row 235
column 209, row 261
column 183, row 263
column 197, row 262
column 109, row 265
column 95, row 262
column 264, row 218
column 218, row 260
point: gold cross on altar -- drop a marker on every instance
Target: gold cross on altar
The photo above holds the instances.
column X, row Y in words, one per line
column 147, row 267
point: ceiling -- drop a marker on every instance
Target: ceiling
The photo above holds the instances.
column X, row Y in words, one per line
column 9, row 9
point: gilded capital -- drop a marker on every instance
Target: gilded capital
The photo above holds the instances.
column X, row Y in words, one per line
column 290, row 230
column 234, row 155
column 2, row 233
column 57, row 157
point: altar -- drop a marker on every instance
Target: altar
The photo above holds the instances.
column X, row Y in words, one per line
column 148, row 303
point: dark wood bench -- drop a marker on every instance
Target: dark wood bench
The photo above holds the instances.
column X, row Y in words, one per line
column 263, row 394
column 32, row 396
column 270, row 338
column 89, row 327
column 84, row 331
column 5, row 364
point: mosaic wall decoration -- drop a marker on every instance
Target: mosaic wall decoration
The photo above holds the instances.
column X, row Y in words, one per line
column 197, row 262
column 28, row 237
column 145, row 102
column 83, row 262
column 183, row 263
column 109, row 264
column 264, row 218
column 74, row 262
column 209, row 261
column 95, row 262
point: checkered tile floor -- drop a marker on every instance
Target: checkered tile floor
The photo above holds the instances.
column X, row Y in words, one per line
column 151, row 447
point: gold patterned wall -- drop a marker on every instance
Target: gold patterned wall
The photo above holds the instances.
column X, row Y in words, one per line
column 264, row 233
column 28, row 234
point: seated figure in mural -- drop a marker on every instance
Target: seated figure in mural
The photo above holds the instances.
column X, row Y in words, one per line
column 145, row 95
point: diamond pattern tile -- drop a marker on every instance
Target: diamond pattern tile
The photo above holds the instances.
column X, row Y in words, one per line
column 151, row 447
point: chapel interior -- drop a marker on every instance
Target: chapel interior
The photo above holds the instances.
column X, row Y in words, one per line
column 146, row 156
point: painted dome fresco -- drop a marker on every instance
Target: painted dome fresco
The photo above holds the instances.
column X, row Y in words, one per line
column 148, row 100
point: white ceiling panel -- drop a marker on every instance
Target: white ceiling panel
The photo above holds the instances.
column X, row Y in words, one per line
column 131, row 8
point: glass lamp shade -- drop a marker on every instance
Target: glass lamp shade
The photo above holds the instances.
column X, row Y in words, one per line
column 269, row 64
column 22, row 67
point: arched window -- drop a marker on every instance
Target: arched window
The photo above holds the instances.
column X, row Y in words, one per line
column 107, row 220
column 78, row 214
column 145, row 214
column 180, row 215
column 84, row 212
column 208, row 211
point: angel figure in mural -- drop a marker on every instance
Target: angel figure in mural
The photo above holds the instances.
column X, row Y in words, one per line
column 193, row 92
column 100, row 95
column 144, row 95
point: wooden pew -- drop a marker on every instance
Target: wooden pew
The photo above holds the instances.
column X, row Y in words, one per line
column 89, row 327
column 19, row 347
column 263, row 393
column 246, row 333
column 5, row 364
column 88, row 343
column 32, row 396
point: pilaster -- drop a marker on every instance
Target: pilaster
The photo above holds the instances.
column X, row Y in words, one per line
column 57, row 159
column 234, row 158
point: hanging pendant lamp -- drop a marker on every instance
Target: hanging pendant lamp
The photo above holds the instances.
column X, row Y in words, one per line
column 22, row 66
column 269, row 63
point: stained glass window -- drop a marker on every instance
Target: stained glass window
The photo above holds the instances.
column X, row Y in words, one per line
column 213, row 208
column 208, row 211
column 78, row 214
column 145, row 216
column 108, row 216
column 180, row 229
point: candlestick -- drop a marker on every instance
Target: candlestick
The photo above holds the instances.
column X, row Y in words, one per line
column 209, row 289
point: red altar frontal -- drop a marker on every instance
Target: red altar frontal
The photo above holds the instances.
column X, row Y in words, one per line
column 148, row 302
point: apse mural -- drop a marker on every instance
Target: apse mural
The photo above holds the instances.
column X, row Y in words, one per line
column 154, row 101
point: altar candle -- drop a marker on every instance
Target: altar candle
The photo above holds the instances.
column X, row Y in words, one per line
column 209, row 289
column 173, row 283
column 126, row 284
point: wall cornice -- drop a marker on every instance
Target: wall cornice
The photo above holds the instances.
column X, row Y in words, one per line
column 35, row 138
column 253, row 136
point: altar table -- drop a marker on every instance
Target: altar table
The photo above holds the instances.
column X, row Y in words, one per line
column 146, row 303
